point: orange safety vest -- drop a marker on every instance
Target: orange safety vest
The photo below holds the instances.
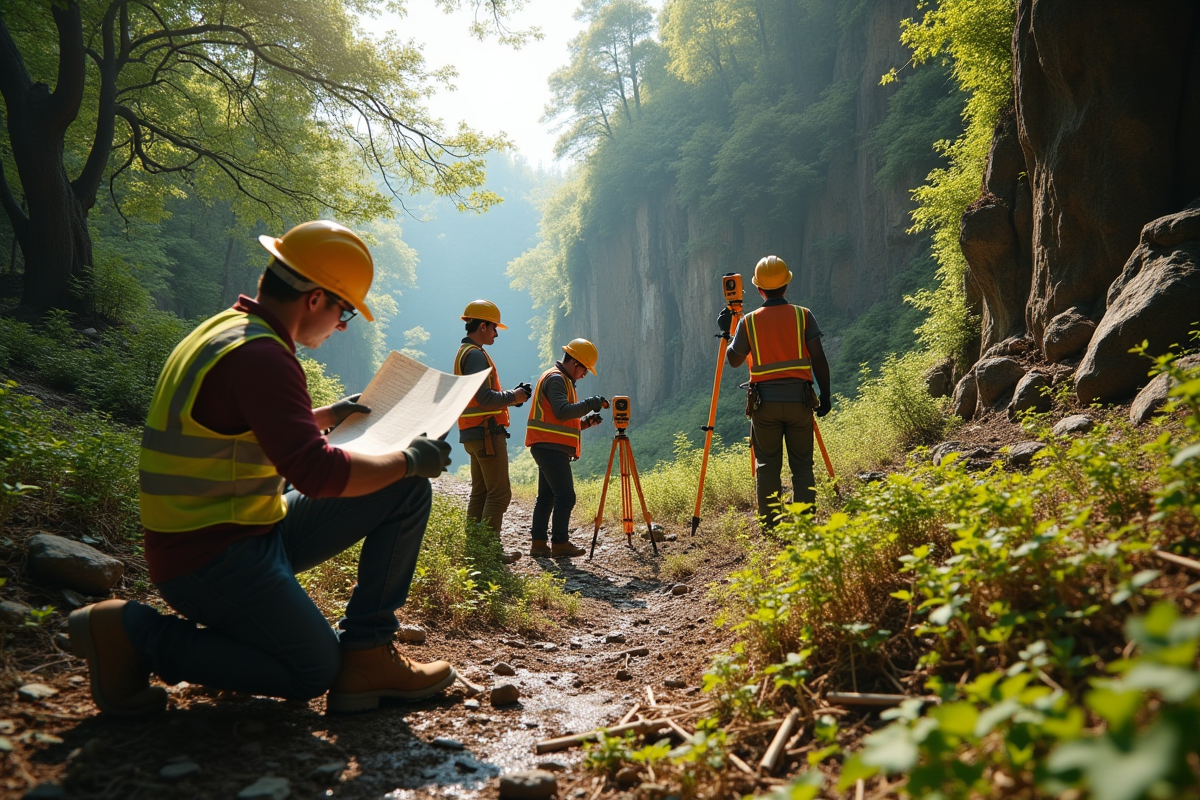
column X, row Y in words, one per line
column 475, row 416
column 778, row 348
column 543, row 426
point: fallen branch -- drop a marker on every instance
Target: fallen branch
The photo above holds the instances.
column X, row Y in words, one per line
column 1179, row 561
column 640, row 727
column 865, row 699
column 681, row 731
column 630, row 714
column 472, row 688
column 770, row 759
column 742, row 765
column 650, row 696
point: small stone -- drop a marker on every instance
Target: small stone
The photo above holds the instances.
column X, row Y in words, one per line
column 72, row 565
column 674, row 683
column 447, row 744
column 680, row 588
column 533, row 784
column 505, row 694
column 329, row 772
column 872, row 477
column 615, row 637
column 552, row 766
column 504, row 669
column 178, row 771
column 671, row 537
column 516, row 644
column 663, row 631
column 624, row 675
column 530, row 724
column 471, row 704
column 627, row 776
column 577, row 683
column 411, row 634
column 1076, row 423
column 574, row 645
column 549, row 647
column 7, row 726
column 1021, row 454
column 36, row 691
column 269, row 787
column 12, row 613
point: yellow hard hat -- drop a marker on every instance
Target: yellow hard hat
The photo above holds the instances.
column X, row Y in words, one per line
column 485, row 310
column 771, row 272
column 331, row 256
column 584, row 352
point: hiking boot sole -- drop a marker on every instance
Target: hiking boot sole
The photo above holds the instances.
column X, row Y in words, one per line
column 366, row 701
column 83, row 644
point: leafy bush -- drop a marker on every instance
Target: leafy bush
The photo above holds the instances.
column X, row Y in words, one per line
column 323, row 389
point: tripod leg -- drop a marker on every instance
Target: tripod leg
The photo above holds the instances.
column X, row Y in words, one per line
column 626, row 495
column 603, row 496
column 712, row 419
column 637, row 484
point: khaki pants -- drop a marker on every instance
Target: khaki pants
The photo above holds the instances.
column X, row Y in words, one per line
column 774, row 426
column 490, row 490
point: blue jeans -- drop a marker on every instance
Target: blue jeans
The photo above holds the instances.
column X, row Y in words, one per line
column 262, row 633
column 555, row 496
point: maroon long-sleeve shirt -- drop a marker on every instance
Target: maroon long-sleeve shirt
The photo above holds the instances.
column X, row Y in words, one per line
column 258, row 387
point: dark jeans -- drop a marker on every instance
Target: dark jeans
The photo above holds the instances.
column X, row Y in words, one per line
column 774, row 427
column 556, row 492
column 262, row 633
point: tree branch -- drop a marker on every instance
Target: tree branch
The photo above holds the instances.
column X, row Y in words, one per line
column 88, row 181
column 72, row 67
column 14, row 78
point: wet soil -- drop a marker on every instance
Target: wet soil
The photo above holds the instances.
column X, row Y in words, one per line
column 572, row 679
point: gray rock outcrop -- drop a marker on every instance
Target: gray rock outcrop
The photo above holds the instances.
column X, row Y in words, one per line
column 1067, row 335
column 1154, row 395
column 72, row 565
column 966, row 397
column 995, row 379
column 1030, row 395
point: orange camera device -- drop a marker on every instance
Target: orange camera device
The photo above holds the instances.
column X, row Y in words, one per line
column 731, row 285
column 620, row 407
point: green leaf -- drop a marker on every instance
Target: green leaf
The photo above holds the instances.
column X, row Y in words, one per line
column 1115, row 706
column 1116, row 774
column 1173, row 683
column 853, row 771
column 957, row 719
column 893, row 749
column 1186, row 454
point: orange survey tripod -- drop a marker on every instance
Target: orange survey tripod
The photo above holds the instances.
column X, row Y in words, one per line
column 731, row 287
column 628, row 467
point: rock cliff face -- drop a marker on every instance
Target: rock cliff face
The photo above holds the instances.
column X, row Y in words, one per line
column 652, row 287
column 1107, row 115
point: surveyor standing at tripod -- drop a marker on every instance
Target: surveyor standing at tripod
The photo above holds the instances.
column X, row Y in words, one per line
column 556, row 418
column 483, row 427
column 230, row 421
column 783, row 344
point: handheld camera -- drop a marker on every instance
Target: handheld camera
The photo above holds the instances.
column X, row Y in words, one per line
column 731, row 286
column 620, row 407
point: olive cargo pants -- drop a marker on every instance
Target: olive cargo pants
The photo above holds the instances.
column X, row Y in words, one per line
column 773, row 427
column 490, row 489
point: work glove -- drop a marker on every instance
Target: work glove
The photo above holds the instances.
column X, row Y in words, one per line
column 725, row 320
column 590, row 421
column 825, row 406
column 427, row 458
column 596, row 402
column 348, row 405
column 527, row 389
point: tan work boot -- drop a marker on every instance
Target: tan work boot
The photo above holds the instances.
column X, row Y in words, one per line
column 368, row 675
column 540, row 549
column 511, row 556
column 566, row 550
column 120, row 676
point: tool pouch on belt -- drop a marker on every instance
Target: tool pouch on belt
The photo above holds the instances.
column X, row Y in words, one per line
column 753, row 398
column 810, row 396
column 489, row 448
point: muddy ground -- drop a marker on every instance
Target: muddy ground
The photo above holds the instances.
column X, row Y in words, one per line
column 568, row 680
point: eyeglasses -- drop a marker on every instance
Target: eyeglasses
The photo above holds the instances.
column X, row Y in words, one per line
column 347, row 313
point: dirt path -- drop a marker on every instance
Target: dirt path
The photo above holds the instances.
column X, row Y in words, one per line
column 572, row 680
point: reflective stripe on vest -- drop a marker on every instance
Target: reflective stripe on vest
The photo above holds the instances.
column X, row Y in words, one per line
column 192, row 477
column 475, row 416
column 543, row 426
column 778, row 348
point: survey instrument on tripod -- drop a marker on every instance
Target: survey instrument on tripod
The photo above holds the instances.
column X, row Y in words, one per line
column 731, row 288
column 630, row 482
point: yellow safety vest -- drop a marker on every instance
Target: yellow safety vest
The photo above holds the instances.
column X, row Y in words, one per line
column 192, row 477
column 475, row 416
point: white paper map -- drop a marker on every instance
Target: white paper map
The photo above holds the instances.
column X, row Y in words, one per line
column 407, row 399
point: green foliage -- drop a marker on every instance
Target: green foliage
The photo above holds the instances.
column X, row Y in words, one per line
column 927, row 108
column 974, row 38
column 75, row 469
column 323, row 389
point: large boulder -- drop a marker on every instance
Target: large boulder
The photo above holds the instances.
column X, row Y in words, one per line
column 995, row 379
column 1156, row 299
column 1030, row 395
column 966, row 397
column 72, row 565
column 939, row 379
column 1107, row 96
column 1066, row 335
column 1151, row 398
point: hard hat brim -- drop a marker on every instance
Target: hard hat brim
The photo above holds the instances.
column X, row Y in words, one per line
column 271, row 245
column 572, row 355
column 769, row 288
column 499, row 325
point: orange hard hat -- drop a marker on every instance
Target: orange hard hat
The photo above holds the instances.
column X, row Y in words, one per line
column 331, row 256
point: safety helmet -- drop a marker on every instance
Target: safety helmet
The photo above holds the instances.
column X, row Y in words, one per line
column 329, row 255
column 771, row 272
column 485, row 310
column 584, row 352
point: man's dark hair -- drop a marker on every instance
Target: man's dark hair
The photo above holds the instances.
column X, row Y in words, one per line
column 771, row 294
column 475, row 324
column 568, row 358
column 272, row 286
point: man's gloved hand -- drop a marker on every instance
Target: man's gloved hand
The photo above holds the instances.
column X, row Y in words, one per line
column 596, row 402
column 825, row 406
column 725, row 320
column 348, row 405
column 427, row 458
column 523, row 392
column 590, row 421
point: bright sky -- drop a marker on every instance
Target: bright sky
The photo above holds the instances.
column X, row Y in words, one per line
column 498, row 88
